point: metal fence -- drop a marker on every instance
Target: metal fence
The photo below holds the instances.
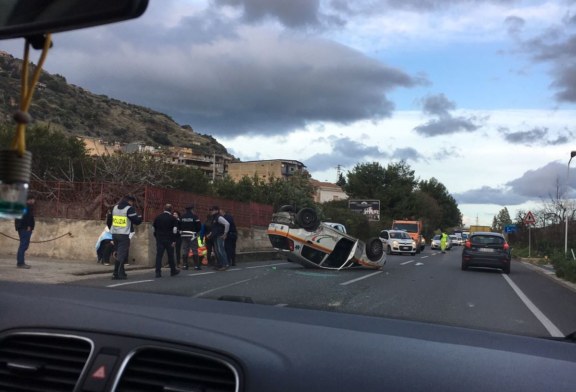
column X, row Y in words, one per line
column 92, row 201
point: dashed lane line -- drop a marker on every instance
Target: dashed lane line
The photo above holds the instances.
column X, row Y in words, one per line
column 407, row 262
column 361, row 278
column 129, row 283
column 222, row 287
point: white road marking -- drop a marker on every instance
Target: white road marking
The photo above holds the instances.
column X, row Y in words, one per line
column 423, row 257
column 128, row 283
column 202, row 273
column 550, row 327
column 281, row 305
column 267, row 265
column 407, row 262
column 222, row 287
column 361, row 278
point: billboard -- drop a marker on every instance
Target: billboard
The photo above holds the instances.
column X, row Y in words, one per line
column 370, row 208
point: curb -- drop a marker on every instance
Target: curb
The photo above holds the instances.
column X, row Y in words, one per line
column 243, row 257
column 549, row 273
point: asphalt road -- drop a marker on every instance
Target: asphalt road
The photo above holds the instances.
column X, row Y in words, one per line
column 427, row 287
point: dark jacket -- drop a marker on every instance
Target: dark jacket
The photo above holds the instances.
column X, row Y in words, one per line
column 165, row 227
column 232, row 233
column 190, row 222
column 27, row 220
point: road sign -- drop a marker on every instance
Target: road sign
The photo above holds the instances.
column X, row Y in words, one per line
column 510, row 229
column 529, row 218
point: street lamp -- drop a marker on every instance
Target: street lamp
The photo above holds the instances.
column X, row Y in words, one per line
column 572, row 155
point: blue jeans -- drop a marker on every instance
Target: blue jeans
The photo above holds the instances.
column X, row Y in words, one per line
column 24, row 244
column 220, row 250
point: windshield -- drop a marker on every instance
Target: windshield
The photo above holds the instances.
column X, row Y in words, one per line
column 251, row 122
column 409, row 227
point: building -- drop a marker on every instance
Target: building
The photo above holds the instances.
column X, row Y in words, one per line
column 327, row 191
column 266, row 169
column 97, row 147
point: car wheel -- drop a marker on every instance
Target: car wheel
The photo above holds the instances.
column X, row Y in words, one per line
column 464, row 266
column 388, row 250
column 413, row 253
column 286, row 208
column 374, row 249
column 307, row 219
column 506, row 269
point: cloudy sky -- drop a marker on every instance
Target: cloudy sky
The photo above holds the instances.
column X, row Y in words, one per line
column 478, row 94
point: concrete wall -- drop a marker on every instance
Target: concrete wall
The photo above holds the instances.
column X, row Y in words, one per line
column 51, row 239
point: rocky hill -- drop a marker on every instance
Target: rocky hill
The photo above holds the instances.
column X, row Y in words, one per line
column 79, row 112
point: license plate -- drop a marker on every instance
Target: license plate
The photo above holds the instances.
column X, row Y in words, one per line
column 487, row 250
column 404, row 248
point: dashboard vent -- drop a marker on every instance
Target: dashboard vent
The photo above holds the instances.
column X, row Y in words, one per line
column 155, row 369
column 42, row 362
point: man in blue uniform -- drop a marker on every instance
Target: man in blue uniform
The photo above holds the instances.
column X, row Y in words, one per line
column 120, row 223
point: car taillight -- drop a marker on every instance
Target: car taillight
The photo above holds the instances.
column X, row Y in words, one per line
column 506, row 246
column 291, row 245
column 468, row 244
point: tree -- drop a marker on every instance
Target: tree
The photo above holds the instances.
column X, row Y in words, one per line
column 501, row 220
column 451, row 215
column 366, row 181
column 55, row 155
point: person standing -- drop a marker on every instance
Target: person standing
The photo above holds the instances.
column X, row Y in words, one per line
column 178, row 245
column 191, row 226
column 443, row 242
column 165, row 229
column 25, row 227
column 120, row 223
column 230, row 242
column 208, row 243
column 218, row 234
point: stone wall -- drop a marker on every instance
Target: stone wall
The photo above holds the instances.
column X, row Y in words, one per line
column 76, row 239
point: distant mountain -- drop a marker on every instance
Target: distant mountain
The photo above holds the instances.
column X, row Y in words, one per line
column 79, row 112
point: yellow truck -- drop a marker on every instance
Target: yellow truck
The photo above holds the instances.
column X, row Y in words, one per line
column 479, row 228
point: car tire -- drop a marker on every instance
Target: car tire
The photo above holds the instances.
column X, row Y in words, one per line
column 307, row 218
column 374, row 249
column 464, row 266
column 413, row 254
column 286, row 208
column 506, row 269
column 388, row 250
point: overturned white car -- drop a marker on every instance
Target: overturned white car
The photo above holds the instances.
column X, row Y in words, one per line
column 302, row 238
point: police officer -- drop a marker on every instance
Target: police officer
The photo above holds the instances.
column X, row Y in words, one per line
column 121, row 223
column 190, row 225
column 165, row 230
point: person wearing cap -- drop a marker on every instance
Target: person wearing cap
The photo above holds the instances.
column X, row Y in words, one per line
column 190, row 225
column 121, row 223
column 165, row 231
column 218, row 234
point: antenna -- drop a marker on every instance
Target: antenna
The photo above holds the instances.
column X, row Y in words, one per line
column 338, row 171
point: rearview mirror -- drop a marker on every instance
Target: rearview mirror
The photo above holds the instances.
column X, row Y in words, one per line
column 24, row 18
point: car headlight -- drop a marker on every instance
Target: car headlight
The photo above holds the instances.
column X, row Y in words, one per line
column 395, row 243
column 413, row 244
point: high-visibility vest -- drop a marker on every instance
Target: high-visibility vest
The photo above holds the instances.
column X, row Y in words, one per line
column 121, row 224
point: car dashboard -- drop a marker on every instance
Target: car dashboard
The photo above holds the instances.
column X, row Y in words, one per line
column 70, row 338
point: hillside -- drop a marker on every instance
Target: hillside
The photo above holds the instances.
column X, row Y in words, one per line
column 76, row 111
